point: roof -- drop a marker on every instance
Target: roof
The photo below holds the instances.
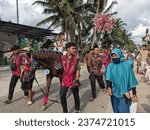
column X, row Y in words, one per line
column 27, row 31
column 47, row 44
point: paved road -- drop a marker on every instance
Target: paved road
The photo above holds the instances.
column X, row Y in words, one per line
column 100, row 105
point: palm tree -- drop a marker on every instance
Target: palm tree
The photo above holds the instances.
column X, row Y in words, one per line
column 59, row 14
column 119, row 37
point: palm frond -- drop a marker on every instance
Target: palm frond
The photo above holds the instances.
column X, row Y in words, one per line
column 110, row 7
column 42, row 3
column 44, row 21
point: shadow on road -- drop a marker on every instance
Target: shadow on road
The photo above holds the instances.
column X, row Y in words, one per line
column 145, row 106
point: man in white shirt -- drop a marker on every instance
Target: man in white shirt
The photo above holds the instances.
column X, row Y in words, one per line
column 60, row 44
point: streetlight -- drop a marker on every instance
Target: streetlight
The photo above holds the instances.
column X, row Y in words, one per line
column 17, row 11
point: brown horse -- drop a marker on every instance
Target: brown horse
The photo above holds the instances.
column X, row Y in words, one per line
column 49, row 60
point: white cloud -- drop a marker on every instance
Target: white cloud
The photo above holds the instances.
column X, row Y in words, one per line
column 139, row 30
column 28, row 14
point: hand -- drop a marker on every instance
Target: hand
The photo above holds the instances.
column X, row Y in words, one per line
column 109, row 91
column 101, row 71
column 76, row 83
column 134, row 98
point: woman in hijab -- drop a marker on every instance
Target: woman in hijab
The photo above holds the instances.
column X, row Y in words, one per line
column 120, row 80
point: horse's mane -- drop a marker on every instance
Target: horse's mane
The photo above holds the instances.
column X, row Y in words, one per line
column 45, row 54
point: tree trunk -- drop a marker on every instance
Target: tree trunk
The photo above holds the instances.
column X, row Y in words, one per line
column 94, row 36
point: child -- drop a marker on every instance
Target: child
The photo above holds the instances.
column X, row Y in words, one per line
column 27, row 78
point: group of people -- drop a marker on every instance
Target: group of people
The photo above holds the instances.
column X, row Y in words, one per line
column 117, row 71
column 109, row 67
column 70, row 76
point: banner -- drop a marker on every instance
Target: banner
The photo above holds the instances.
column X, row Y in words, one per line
column 80, row 121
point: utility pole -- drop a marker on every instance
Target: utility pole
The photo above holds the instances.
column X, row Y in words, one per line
column 17, row 8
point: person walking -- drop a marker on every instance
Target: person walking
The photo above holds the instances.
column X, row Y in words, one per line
column 16, row 71
column 70, row 77
column 27, row 78
column 87, row 59
column 120, row 80
column 96, row 72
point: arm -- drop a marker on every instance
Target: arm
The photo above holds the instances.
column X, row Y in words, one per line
column 109, row 87
column 77, row 74
column 76, row 82
column 78, row 68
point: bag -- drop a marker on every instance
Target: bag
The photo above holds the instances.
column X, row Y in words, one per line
column 133, row 107
column 13, row 67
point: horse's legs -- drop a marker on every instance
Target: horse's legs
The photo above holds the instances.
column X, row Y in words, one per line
column 48, row 83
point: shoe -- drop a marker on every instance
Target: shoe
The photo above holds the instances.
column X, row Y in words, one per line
column 29, row 103
column 8, row 101
column 77, row 111
column 92, row 99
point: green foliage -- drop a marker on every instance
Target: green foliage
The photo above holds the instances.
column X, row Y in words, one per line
column 75, row 17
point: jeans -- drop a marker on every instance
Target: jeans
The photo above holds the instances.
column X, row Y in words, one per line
column 12, row 86
column 119, row 105
column 100, row 81
column 63, row 92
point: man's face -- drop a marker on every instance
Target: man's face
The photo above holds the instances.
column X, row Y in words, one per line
column 104, row 50
column 96, row 50
column 62, row 37
column 71, row 50
column 129, row 53
column 91, row 51
column 15, row 51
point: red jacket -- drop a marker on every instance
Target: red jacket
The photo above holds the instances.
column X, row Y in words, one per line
column 16, row 59
column 69, row 67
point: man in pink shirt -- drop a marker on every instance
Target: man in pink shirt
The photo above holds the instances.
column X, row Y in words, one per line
column 16, row 71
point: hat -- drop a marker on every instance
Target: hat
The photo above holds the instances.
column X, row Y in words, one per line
column 25, row 49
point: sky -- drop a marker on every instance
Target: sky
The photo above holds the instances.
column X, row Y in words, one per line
column 135, row 13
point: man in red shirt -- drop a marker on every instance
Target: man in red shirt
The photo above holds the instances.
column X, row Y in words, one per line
column 70, row 77
column 15, row 74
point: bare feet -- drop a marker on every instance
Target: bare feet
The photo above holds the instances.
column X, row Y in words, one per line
column 43, row 108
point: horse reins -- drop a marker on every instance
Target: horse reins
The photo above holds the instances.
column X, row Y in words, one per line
column 52, row 100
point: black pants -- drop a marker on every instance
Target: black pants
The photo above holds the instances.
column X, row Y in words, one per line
column 63, row 92
column 100, row 81
column 12, row 86
column 27, row 86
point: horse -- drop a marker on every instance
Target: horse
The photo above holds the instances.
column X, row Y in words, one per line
column 49, row 60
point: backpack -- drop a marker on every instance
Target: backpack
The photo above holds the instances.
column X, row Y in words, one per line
column 13, row 66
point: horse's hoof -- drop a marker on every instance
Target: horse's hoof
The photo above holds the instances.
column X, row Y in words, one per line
column 43, row 108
